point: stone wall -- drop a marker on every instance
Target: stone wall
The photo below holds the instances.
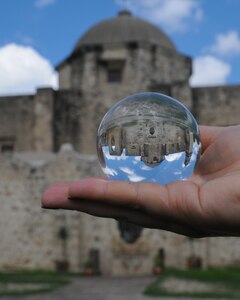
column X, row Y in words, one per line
column 43, row 120
column 219, row 105
column 68, row 110
column 29, row 234
column 142, row 70
column 27, row 121
column 17, row 121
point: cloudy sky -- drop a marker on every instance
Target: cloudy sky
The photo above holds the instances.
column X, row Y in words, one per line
column 37, row 34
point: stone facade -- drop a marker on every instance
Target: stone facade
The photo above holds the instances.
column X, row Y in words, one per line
column 29, row 234
column 33, row 128
column 219, row 105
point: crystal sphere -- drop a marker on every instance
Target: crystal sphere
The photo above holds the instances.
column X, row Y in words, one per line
column 148, row 137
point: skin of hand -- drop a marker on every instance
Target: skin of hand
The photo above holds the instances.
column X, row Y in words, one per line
column 208, row 204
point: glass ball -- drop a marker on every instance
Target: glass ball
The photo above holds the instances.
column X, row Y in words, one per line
column 148, row 137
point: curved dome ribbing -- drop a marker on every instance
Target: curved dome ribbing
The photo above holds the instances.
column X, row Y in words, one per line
column 124, row 29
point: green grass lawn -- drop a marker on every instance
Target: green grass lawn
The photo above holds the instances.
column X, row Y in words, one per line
column 215, row 283
column 29, row 282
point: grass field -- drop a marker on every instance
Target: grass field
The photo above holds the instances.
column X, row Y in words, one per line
column 211, row 283
column 30, row 282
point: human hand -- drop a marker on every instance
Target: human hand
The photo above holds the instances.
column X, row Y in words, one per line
column 208, row 204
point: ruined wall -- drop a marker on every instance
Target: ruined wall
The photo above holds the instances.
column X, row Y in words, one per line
column 27, row 121
column 65, row 77
column 143, row 68
column 68, row 108
column 43, row 120
column 219, row 105
column 170, row 73
column 17, row 121
column 31, row 241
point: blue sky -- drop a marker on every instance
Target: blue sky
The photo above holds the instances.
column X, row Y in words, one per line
column 37, row 34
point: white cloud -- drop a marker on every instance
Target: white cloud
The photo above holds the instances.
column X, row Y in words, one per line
column 227, row 44
column 23, row 69
column 145, row 168
column 43, row 3
column 127, row 170
column 110, row 172
column 173, row 15
column 209, row 70
column 177, row 173
column 174, row 156
column 136, row 178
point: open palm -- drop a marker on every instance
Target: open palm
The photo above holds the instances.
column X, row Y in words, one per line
column 208, row 204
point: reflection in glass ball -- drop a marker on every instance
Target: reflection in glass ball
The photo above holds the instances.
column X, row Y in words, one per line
column 148, row 137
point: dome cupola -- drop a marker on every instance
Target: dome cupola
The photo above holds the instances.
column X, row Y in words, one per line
column 123, row 29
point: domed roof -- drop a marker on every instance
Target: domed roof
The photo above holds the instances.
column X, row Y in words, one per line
column 124, row 28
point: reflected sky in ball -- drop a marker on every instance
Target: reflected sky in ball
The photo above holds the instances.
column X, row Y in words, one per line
column 131, row 168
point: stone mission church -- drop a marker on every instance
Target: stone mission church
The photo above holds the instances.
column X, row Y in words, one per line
column 50, row 136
